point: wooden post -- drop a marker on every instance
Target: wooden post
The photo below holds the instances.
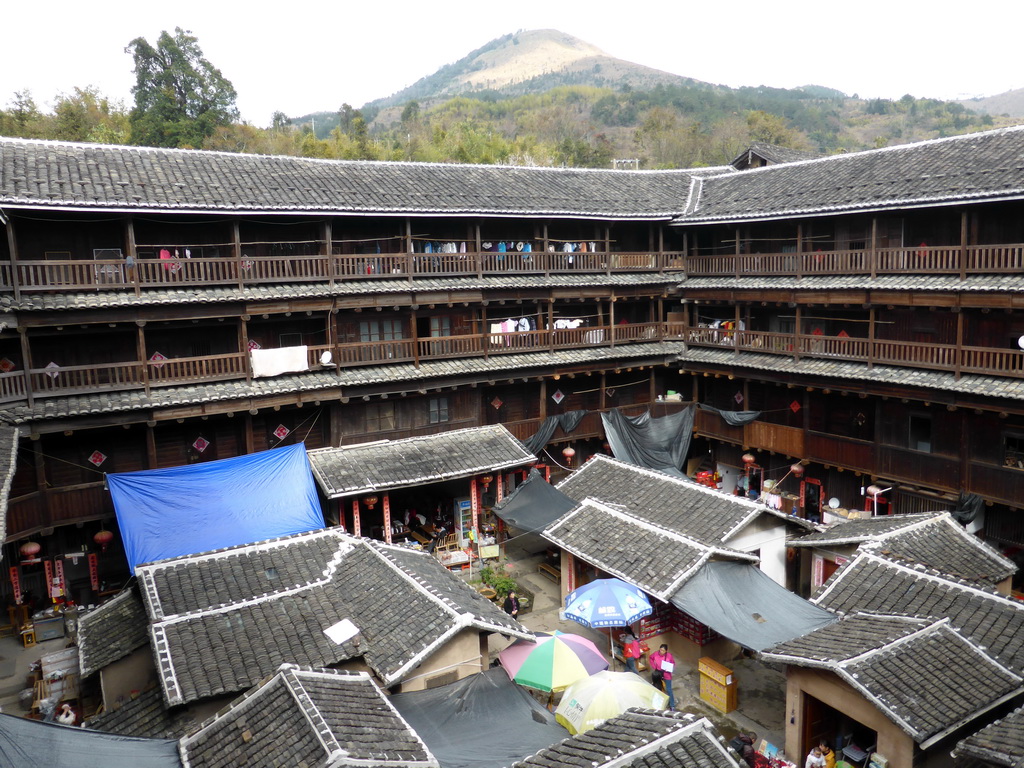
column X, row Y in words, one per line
column 26, row 356
column 796, row 335
column 603, row 400
column 12, row 246
column 799, row 249
column 409, row 250
column 141, row 351
column 250, row 443
column 871, row 338
column 736, row 252
column 964, row 238
column 133, row 254
column 959, row 344
column 151, row 459
column 236, row 245
column 543, row 399
column 611, row 320
column 243, row 345
column 415, row 339
column 327, row 233
column 873, row 253
column 736, row 332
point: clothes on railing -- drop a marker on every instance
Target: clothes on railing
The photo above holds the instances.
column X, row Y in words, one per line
column 274, row 362
column 499, row 331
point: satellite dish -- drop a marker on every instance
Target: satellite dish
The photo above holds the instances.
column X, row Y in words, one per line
column 833, row 503
column 326, row 358
column 1020, row 342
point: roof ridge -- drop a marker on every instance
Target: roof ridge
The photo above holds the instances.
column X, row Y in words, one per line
column 298, row 159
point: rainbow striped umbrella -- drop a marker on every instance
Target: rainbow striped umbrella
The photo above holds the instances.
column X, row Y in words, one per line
column 552, row 662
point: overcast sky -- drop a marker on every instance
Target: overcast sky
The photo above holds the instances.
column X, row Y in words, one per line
column 302, row 57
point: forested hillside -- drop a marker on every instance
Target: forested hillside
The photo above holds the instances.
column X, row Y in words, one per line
column 540, row 98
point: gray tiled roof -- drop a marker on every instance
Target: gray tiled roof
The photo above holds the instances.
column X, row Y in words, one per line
column 144, row 716
column 223, row 620
column 967, row 384
column 61, row 174
column 640, row 738
column 377, row 466
column 857, row 634
column 170, row 397
column 8, row 464
column 871, row 583
column 308, row 717
column 408, row 290
column 111, row 631
column 1001, row 743
column 934, row 540
column 656, row 559
column 673, row 503
column 978, row 166
column 928, row 681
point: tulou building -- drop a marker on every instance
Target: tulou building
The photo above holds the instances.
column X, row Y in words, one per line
column 166, row 307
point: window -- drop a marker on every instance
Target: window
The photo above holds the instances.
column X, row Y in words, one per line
column 1013, row 451
column 290, row 339
column 438, row 410
column 380, row 417
column 380, row 330
column 921, row 432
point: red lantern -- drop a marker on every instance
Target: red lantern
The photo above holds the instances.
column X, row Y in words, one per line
column 748, row 458
column 797, row 469
column 568, row 452
column 30, row 549
column 103, row 538
column 486, row 481
column 371, row 502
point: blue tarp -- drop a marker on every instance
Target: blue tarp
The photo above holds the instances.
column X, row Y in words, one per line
column 184, row 510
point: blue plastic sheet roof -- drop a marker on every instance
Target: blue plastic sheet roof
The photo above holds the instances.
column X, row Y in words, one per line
column 178, row 511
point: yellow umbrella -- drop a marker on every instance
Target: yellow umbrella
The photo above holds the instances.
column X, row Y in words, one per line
column 589, row 702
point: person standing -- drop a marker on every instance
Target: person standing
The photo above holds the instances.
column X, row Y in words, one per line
column 511, row 605
column 630, row 651
column 662, row 665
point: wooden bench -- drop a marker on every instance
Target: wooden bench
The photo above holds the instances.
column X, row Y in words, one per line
column 550, row 571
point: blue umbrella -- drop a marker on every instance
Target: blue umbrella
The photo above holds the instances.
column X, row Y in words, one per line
column 607, row 603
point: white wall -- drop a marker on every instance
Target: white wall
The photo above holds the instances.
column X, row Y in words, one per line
column 767, row 534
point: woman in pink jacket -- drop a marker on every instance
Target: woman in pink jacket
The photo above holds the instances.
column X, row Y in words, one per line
column 662, row 664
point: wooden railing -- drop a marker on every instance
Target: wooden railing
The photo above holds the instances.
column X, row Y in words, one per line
column 155, row 273
column 940, row 357
column 63, row 380
column 921, row 259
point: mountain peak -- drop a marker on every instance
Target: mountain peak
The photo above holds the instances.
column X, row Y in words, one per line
column 530, row 61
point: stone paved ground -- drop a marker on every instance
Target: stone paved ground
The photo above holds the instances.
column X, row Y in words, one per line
column 762, row 688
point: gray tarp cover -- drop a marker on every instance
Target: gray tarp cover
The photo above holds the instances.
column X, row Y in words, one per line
column 660, row 443
column 32, row 743
column 482, row 720
column 741, row 602
column 534, row 505
column 567, row 421
column 732, row 418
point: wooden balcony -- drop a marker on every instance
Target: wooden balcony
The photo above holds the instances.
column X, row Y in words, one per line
column 57, row 380
column 239, row 271
column 924, row 260
column 940, row 357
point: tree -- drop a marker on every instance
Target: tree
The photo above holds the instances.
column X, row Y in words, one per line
column 180, row 97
